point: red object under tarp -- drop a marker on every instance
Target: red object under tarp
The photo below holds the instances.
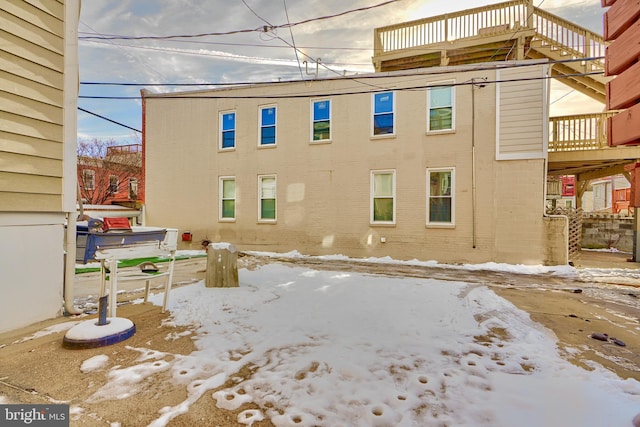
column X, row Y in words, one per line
column 115, row 224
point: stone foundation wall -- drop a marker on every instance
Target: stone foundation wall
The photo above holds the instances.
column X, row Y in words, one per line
column 605, row 230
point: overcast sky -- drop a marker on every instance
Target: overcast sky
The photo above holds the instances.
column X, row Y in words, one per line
column 344, row 44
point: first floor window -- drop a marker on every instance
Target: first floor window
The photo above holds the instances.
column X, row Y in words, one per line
column 383, row 194
column 267, row 199
column 441, row 103
column 227, row 198
column 113, row 184
column 440, row 196
column 321, row 130
column 89, row 179
column 383, row 117
column 228, row 130
column 267, row 125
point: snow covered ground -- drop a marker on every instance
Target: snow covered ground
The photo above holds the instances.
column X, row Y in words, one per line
column 326, row 348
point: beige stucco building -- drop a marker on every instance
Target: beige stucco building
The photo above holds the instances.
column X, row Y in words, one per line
column 446, row 164
column 38, row 94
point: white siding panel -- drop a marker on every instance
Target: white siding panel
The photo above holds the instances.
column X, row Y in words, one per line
column 522, row 112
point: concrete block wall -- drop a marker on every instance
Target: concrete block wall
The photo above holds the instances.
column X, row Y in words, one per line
column 605, row 230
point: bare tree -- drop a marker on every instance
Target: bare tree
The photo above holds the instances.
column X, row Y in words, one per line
column 109, row 172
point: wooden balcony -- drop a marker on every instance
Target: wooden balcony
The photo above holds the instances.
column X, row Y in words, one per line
column 505, row 31
column 578, row 146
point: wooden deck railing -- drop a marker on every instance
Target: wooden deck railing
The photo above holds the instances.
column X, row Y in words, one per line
column 562, row 34
column 504, row 17
column 578, row 132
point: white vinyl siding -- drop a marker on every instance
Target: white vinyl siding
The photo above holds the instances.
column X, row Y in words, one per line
column 32, row 107
column 521, row 99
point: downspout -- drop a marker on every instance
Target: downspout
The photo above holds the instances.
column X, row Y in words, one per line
column 473, row 162
column 70, row 265
column 71, row 67
column 545, row 164
column 142, row 190
column 473, row 157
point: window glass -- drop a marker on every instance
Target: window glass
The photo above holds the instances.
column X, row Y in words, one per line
column 268, row 198
column 228, row 200
column 440, row 101
column 113, row 183
column 228, row 139
column 268, row 125
column 88, row 178
column 321, row 120
column 440, row 196
column 133, row 188
column 383, row 113
column 383, row 197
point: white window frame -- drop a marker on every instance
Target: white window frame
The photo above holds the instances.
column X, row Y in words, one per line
column 393, row 113
column 89, row 176
column 313, row 120
column 372, row 197
column 117, row 185
column 452, row 196
column 222, row 131
column 447, row 83
column 133, row 182
column 222, row 199
column 261, row 108
column 260, row 198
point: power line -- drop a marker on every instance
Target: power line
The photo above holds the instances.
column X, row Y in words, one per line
column 170, row 96
column 108, row 119
column 226, row 33
column 359, row 77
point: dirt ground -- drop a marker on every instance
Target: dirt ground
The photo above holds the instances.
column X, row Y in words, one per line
column 39, row 370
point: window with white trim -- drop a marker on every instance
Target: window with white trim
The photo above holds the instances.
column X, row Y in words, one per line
column 267, row 198
column 384, row 120
column 89, row 179
column 268, row 125
column 441, row 108
column 113, row 184
column 383, row 197
column 133, row 188
column 227, row 198
column 441, row 196
column 227, row 130
column 321, row 120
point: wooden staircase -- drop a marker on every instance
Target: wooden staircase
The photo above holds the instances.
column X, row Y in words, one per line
column 505, row 31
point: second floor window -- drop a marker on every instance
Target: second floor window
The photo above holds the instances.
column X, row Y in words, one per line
column 440, row 103
column 268, row 125
column 113, row 184
column 133, row 188
column 321, row 120
column 89, row 179
column 383, row 114
column 228, row 130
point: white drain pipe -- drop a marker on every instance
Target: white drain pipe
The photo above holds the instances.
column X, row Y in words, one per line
column 70, row 265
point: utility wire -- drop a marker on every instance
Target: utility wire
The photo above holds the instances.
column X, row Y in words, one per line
column 359, row 77
column 108, row 119
column 250, row 30
column 313, row 95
